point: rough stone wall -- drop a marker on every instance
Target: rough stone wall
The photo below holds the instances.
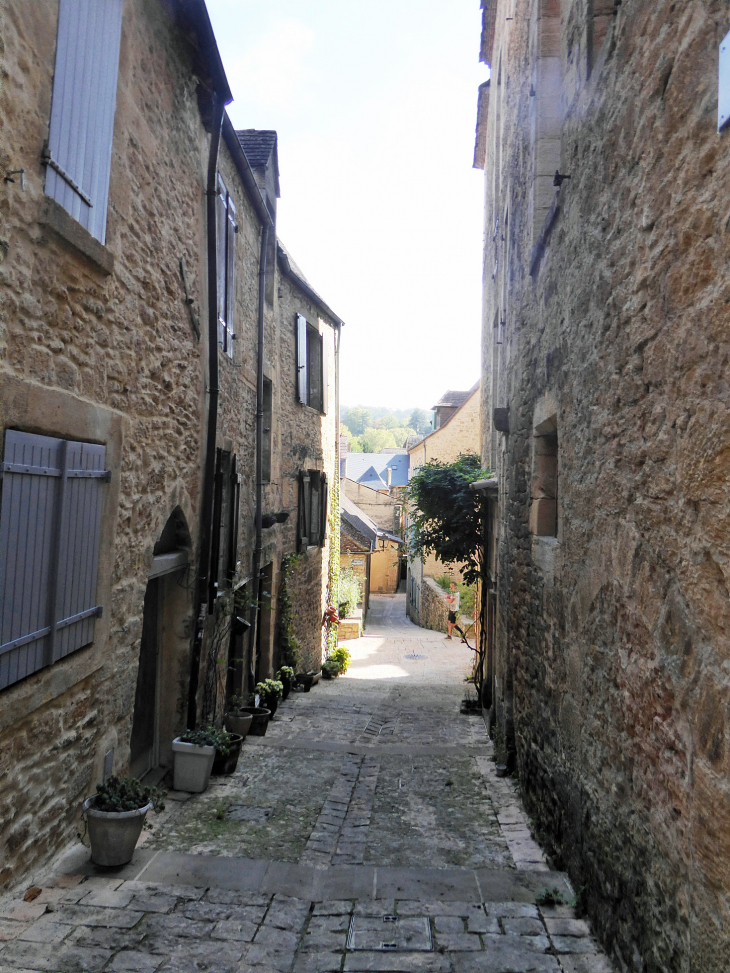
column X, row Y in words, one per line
column 434, row 607
column 612, row 674
column 306, row 441
column 106, row 357
column 380, row 507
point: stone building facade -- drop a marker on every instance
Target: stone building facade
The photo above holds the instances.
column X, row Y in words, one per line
column 458, row 433
column 105, row 405
column 605, row 415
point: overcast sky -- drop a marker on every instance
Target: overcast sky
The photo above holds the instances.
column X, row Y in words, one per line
column 375, row 106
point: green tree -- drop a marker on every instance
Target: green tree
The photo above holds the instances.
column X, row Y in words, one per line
column 373, row 440
column 420, row 421
column 445, row 515
column 387, row 422
column 357, row 419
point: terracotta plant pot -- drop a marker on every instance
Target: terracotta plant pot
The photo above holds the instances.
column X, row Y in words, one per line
column 226, row 763
column 238, row 722
column 113, row 834
column 192, row 766
column 260, row 720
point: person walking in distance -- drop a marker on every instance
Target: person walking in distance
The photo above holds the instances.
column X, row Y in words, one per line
column 454, row 602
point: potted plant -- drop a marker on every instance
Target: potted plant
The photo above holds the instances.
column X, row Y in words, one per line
column 226, row 763
column 237, row 718
column 342, row 657
column 330, row 669
column 285, row 675
column 115, row 816
column 194, row 753
column 270, row 692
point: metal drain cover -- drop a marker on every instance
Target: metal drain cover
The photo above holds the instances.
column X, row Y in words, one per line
column 390, row 934
column 414, row 655
column 244, row 812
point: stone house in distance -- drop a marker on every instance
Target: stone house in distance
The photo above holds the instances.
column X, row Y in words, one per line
column 456, row 431
column 168, row 399
column 605, row 416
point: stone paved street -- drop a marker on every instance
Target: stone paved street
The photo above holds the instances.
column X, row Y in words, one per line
column 367, row 831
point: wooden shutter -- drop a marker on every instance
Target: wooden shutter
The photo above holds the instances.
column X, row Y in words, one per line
column 234, row 517
column 323, row 508
column 302, row 384
column 315, row 522
column 82, row 110
column 303, row 511
column 325, row 372
column 221, row 263
column 50, row 529
column 231, row 230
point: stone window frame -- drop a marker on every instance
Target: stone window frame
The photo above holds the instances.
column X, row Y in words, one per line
column 544, row 482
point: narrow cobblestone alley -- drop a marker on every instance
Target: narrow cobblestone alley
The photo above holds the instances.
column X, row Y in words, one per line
column 367, row 831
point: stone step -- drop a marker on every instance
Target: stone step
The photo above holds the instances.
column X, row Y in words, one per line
column 335, row 882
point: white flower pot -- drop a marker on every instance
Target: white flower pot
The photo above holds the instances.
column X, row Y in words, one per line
column 113, row 834
column 192, row 766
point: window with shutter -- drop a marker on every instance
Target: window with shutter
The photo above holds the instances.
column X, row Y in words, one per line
column 311, row 366
column 312, row 525
column 225, row 522
column 79, row 149
column 226, row 230
column 302, row 382
column 50, row 528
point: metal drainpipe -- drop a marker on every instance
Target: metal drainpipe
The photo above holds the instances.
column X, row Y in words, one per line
column 206, row 513
column 253, row 631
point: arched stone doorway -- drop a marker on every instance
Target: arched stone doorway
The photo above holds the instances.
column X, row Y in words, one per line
column 160, row 696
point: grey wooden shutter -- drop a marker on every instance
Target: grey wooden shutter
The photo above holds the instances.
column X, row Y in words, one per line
column 82, row 110
column 325, row 372
column 50, row 529
column 231, row 231
column 221, row 264
column 302, row 384
column 323, row 508
column 303, row 512
column 315, row 509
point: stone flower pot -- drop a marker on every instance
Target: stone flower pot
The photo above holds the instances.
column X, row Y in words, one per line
column 238, row 722
column 113, row 834
column 193, row 766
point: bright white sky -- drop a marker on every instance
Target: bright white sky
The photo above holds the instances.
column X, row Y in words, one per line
column 375, row 106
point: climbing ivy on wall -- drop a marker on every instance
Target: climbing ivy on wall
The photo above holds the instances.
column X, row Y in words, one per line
column 333, row 585
column 289, row 648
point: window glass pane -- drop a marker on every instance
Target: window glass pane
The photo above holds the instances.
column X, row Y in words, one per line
column 314, row 368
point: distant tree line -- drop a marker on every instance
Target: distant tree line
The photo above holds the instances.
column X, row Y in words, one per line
column 370, row 429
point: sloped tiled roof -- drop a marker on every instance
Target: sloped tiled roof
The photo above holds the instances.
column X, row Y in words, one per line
column 371, row 478
column 258, row 144
column 399, row 463
column 453, row 400
column 412, row 441
column 392, row 449
column 358, row 520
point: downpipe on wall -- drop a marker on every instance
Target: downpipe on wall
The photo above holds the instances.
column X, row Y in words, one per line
column 206, row 513
column 258, row 546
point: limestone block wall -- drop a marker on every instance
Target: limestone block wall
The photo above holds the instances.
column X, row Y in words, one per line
column 380, row 507
column 611, row 676
column 306, row 440
column 434, row 607
column 110, row 357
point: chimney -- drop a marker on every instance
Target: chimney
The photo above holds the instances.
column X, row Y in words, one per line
column 388, row 475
